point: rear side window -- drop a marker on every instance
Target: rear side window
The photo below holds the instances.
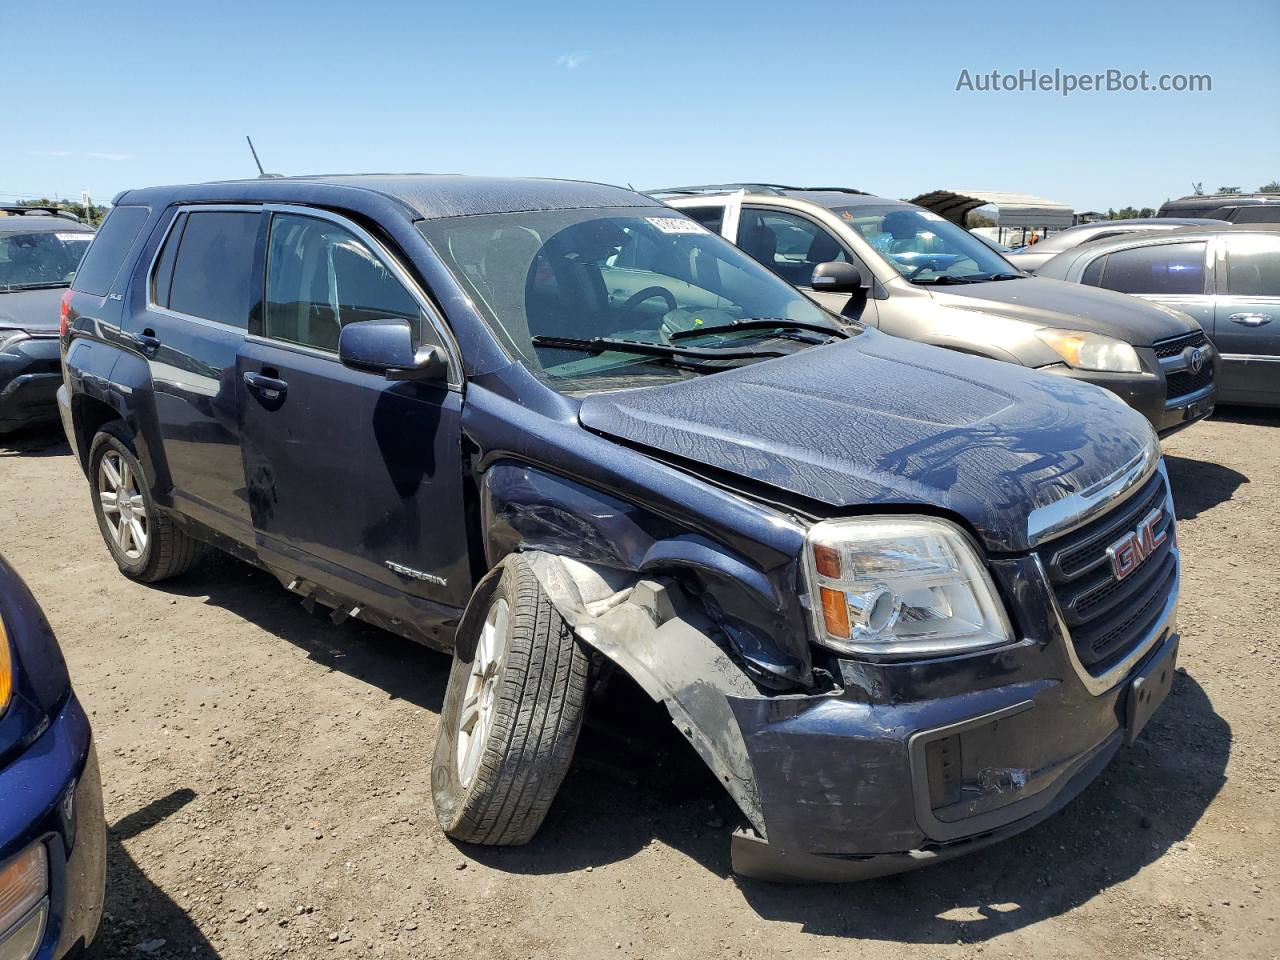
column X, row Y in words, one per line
column 109, row 248
column 320, row 277
column 1262, row 213
column 1162, row 268
column 212, row 274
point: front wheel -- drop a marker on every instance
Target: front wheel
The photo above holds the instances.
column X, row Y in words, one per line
column 515, row 702
column 144, row 543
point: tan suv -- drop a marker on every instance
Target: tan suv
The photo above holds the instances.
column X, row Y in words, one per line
column 912, row 273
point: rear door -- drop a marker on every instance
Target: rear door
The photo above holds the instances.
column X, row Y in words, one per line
column 1246, row 325
column 188, row 318
column 354, row 481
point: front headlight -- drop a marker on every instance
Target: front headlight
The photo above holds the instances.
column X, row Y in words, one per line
column 1092, row 351
column 891, row 586
column 10, row 337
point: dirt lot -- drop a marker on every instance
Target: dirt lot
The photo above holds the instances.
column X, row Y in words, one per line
column 266, row 780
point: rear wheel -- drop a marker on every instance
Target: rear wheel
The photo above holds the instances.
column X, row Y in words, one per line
column 145, row 544
column 515, row 702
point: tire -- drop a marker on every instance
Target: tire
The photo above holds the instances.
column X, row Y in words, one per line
column 153, row 548
column 495, row 786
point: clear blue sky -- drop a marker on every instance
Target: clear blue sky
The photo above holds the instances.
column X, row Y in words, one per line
column 657, row 93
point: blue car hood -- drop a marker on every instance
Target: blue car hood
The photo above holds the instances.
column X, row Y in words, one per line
column 879, row 420
column 35, row 311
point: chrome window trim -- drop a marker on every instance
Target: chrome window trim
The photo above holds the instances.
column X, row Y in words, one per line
column 178, row 210
column 443, row 333
column 1101, row 683
column 1075, row 510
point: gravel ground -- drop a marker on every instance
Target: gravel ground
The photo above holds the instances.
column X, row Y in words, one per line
column 266, row 779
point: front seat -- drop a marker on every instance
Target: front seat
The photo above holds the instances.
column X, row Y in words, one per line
column 760, row 243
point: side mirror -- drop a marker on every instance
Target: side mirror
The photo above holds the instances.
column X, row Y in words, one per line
column 836, row 276
column 386, row 347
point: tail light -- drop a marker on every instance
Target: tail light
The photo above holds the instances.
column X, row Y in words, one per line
column 64, row 313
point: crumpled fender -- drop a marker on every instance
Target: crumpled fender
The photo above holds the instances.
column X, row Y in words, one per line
column 664, row 643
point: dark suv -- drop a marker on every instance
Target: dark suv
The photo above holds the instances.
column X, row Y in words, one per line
column 902, row 601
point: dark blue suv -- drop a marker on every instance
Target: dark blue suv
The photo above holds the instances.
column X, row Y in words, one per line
column 52, row 834
column 903, row 602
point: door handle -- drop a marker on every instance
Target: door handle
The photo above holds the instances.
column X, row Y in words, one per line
column 148, row 341
column 271, row 388
column 1250, row 319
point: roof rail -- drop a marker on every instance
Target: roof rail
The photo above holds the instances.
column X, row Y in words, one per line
column 775, row 188
column 19, row 210
column 770, row 188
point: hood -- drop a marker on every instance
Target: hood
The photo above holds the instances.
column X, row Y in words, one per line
column 1072, row 306
column 35, row 311
column 878, row 420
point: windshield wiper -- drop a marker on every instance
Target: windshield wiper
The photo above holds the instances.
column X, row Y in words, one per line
column 946, row 279
column 645, row 348
column 758, row 323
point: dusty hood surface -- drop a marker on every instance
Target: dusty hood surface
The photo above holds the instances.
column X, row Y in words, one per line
column 878, row 420
column 1073, row 306
column 35, row 311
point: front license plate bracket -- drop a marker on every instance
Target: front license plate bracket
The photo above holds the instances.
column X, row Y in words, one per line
column 1148, row 690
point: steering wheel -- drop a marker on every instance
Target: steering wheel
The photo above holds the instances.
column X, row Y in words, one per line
column 648, row 293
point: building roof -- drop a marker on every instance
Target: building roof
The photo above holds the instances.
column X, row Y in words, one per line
column 1013, row 209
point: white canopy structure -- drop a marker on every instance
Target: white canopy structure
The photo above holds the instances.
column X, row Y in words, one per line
column 1013, row 209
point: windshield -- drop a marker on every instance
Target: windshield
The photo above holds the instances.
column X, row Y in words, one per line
column 923, row 246
column 624, row 275
column 43, row 259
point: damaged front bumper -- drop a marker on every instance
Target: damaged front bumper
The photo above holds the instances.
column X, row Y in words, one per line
column 897, row 767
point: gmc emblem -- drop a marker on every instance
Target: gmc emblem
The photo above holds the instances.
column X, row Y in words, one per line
column 1127, row 553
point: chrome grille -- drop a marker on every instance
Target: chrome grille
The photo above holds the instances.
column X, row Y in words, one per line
column 1108, row 617
column 1175, row 345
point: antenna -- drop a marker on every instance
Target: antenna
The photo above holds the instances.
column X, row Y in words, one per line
column 261, row 172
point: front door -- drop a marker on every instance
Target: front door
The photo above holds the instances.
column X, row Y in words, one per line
column 354, row 482
column 188, row 317
column 1246, row 323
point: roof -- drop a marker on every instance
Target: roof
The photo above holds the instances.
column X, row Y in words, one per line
column 420, row 195
column 1014, row 209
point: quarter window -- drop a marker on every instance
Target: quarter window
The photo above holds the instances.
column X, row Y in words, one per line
column 210, row 271
column 1253, row 266
column 1161, row 268
column 320, row 277
column 109, row 248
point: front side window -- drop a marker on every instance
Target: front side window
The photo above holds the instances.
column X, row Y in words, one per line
column 47, row 258
column 320, row 277
column 924, row 247
column 209, row 271
column 1253, row 265
column 789, row 245
column 624, row 275
column 1158, row 269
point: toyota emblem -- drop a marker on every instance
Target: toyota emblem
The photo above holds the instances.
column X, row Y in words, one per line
column 1196, row 360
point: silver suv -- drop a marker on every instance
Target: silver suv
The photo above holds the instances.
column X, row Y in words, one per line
column 914, row 274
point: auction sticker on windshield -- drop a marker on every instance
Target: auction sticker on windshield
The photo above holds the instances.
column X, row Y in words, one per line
column 677, row 225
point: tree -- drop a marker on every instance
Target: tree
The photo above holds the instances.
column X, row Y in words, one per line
column 1272, row 187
